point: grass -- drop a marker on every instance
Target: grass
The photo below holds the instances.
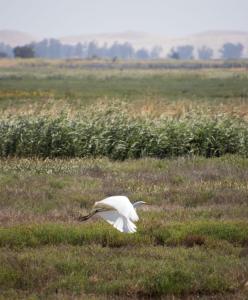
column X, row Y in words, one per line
column 42, row 186
column 172, row 234
column 80, row 268
column 181, row 248
column 41, row 85
column 129, row 86
column 192, row 240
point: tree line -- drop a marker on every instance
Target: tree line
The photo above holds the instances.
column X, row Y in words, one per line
column 53, row 48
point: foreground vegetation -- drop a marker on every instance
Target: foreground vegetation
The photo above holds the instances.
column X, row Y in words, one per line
column 192, row 240
column 140, row 271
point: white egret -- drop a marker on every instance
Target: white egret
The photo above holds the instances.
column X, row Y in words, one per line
column 117, row 211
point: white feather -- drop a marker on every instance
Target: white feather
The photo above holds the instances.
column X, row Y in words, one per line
column 119, row 222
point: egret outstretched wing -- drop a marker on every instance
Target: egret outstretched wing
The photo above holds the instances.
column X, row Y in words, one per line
column 120, row 203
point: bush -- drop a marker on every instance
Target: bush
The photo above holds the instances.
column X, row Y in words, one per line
column 24, row 52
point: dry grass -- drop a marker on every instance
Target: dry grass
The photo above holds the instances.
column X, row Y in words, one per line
column 145, row 107
column 57, row 185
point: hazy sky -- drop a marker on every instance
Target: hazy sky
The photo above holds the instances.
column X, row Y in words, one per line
column 164, row 17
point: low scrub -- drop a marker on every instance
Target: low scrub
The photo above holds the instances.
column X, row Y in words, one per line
column 139, row 272
column 173, row 234
column 115, row 135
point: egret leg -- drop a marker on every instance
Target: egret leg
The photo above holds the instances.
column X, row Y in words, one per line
column 84, row 218
column 91, row 214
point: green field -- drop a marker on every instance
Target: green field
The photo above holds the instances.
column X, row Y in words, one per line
column 36, row 84
column 72, row 134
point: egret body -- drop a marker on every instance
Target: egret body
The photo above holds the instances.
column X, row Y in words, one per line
column 117, row 211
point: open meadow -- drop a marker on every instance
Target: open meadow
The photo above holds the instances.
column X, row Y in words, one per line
column 176, row 136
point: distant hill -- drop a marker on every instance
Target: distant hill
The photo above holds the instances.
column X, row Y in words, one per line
column 212, row 39
column 15, row 38
column 137, row 39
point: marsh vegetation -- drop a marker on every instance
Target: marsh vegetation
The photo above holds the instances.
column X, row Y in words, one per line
column 72, row 135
